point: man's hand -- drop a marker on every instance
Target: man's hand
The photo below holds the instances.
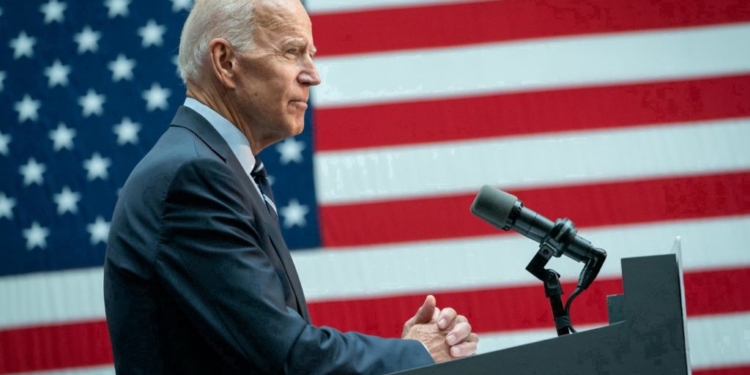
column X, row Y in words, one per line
column 445, row 334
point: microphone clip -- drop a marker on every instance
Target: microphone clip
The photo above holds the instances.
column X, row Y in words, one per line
column 556, row 243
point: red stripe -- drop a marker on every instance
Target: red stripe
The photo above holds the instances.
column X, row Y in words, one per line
column 739, row 370
column 493, row 21
column 491, row 310
column 592, row 205
column 497, row 310
column 532, row 112
column 54, row 347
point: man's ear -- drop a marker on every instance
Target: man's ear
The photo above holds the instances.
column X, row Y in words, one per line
column 223, row 62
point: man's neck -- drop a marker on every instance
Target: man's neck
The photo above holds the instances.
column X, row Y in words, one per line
column 211, row 99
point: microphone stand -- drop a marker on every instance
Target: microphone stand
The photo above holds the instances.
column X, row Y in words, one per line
column 552, row 288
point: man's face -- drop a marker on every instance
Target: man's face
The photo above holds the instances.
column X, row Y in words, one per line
column 274, row 79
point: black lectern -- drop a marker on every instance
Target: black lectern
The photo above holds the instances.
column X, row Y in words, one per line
column 645, row 335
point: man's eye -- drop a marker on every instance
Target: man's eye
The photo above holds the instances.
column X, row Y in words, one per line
column 292, row 51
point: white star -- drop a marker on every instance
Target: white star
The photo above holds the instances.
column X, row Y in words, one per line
column 62, row 137
column 92, row 103
column 4, row 140
column 32, row 172
column 122, row 68
column 27, row 109
column 178, row 5
column 57, row 74
column 36, row 236
column 99, row 230
column 2, row 78
column 294, row 214
column 97, row 167
column 127, row 131
column 152, row 34
column 290, row 150
column 53, row 11
column 88, row 40
column 67, row 201
column 156, row 97
column 6, row 206
column 117, row 7
column 23, row 45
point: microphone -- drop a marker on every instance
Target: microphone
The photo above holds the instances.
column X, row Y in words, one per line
column 505, row 211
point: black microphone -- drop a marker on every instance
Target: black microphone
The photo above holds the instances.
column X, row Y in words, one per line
column 505, row 211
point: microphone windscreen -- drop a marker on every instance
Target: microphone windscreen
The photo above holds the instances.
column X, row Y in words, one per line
column 493, row 206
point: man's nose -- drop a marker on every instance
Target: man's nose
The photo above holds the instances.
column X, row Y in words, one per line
column 309, row 75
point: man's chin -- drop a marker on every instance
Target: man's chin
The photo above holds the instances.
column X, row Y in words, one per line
column 297, row 126
column 298, row 129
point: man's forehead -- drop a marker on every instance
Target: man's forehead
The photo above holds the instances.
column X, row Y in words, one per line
column 272, row 14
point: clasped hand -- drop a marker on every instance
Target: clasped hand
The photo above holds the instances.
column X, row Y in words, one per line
column 445, row 334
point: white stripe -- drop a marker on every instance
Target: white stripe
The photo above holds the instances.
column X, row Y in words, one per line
column 532, row 161
column 326, row 6
column 533, row 65
column 99, row 370
column 714, row 341
column 425, row 267
column 50, row 297
column 501, row 260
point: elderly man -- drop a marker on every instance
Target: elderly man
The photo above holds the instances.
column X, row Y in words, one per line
column 197, row 278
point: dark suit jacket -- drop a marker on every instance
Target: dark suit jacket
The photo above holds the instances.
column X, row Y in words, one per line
column 198, row 280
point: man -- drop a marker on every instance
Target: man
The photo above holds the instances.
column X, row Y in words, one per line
column 197, row 278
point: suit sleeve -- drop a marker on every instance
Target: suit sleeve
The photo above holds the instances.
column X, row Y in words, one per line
column 210, row 261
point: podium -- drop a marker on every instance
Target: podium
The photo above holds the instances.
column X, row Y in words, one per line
column 645, row 335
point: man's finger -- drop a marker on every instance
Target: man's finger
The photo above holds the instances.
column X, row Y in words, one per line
column 426, row 313
column 461, row 332
column 466, row 348
column 447, row 316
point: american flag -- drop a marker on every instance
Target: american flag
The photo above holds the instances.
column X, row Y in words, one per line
column 632, row 118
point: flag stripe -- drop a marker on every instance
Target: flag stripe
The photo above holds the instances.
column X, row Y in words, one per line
column 487, row 262
column 393, row 173
column 598, row 107
column 735, row 370
column 32, row 349
column 74, row 295
column 443, row 25
column 495, row 309
column 499, row 260
column 54, row 347
column 533, row 65
column 591, row 205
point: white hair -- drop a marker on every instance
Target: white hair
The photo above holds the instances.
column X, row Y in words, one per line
column 232, row 20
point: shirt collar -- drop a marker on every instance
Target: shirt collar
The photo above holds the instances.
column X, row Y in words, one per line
column 237, row 141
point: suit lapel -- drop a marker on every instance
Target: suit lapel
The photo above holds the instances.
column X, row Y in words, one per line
column 274, row 232
column 290, row 269
column 191, row 120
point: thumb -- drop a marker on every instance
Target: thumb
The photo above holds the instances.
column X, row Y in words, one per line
column 426, row 313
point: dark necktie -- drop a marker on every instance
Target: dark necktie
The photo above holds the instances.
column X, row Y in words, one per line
column 260, row 177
